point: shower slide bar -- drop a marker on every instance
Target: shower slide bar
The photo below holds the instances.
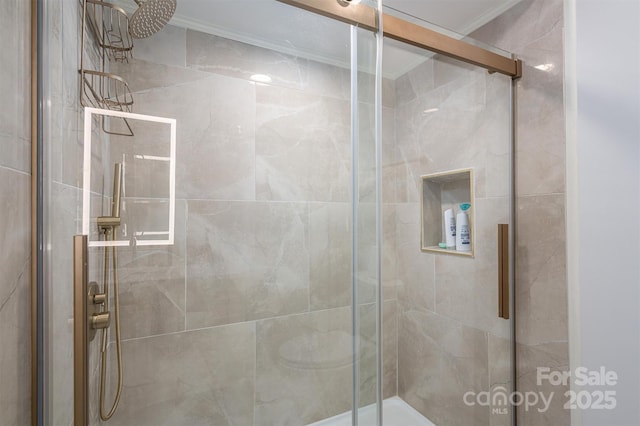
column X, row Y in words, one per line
column 415, row 35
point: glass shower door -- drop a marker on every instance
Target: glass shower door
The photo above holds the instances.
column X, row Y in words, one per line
column 245, row 315
column 452, row 147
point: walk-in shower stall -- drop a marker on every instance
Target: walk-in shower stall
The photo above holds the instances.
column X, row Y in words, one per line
column 245, row 209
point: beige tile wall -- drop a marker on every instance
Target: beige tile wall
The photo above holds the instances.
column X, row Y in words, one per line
column 263, row 242
column 447, row 305
column 533, row 31
column 15, row 226
column 264, row 170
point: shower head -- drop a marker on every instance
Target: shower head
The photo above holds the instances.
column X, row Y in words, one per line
column 150, row 17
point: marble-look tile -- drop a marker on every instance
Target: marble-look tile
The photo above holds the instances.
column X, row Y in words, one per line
column 15, row 298
column 367, row 154
column 245, row 261
column 540, row 150
column 15, row 230
column 416, row 82
column 303, row 367
column 541, row 292
column 367, row 255
column 302, row 146
column 532, row 30
column 367, row 340
column 438, row 362
column 368, row 346
column 15, row 85
column 500, row 378
column 467, row 288
column 450, row 127
column 143, row 75
column 554, row 356
column 389, row 253
column 152, row 285
column 167, row 47
column 415, row 269
column 329, row 255
column 15, row 350
column 215, row 138
column 214, row 54
column 390, row 348
column 203, row 377
column 526, row 22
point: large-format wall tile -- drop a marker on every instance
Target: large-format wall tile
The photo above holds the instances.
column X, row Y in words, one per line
column 245, row 261
column 416, row 82
column 302, row 146
column 215, row 138
column 367, row 154
column 152, row 285
column 501, row 371
column 218, row 55
column 15, row 350
column 415, row 269
column 367, row 368
column 142, row 75
column 329, row 255
column 541, row 295
column 168, row 46
column 390, row 348
column 553, row 357
column 15, row 231
column 203, row 377
column 303, row 367
column 367, row 341
column 533, row 31
column 467, row 288
column 438, row 362
column 15, row 84
column 436, row 132
column 389, row 253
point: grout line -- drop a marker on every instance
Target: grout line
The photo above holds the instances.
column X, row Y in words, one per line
column 241, row 322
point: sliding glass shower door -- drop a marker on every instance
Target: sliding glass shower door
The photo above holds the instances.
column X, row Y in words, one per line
column 240, row 297
column 452, row 150
column 267, row 196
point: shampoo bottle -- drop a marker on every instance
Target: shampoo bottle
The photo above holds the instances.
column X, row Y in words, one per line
column 449, row 229
column 463, row 232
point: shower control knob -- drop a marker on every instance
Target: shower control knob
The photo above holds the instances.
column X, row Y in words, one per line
column 99, row 298
column 101, row 320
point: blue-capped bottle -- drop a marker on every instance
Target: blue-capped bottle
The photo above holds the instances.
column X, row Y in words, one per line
column 463, row 231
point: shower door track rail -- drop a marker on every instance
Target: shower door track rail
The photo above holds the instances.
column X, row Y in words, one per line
column 415, row 35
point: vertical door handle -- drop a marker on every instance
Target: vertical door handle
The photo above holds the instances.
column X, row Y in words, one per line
column 80, row 331
column 503, row 270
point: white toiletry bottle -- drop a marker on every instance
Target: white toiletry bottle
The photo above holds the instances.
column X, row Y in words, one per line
column 463, row 231
column 449, row 229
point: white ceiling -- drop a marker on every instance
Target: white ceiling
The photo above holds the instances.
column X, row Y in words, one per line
column 273, row 25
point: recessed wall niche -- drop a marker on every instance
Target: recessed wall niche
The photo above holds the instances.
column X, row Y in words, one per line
column 442, row 191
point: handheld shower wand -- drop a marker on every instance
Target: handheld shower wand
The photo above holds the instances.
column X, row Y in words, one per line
column 108, row 226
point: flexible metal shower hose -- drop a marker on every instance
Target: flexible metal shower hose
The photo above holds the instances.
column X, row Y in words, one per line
column 109, row 236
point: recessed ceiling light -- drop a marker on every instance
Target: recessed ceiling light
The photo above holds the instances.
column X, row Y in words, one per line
column 261, row 78
column 430, row 110
column 544, row 67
